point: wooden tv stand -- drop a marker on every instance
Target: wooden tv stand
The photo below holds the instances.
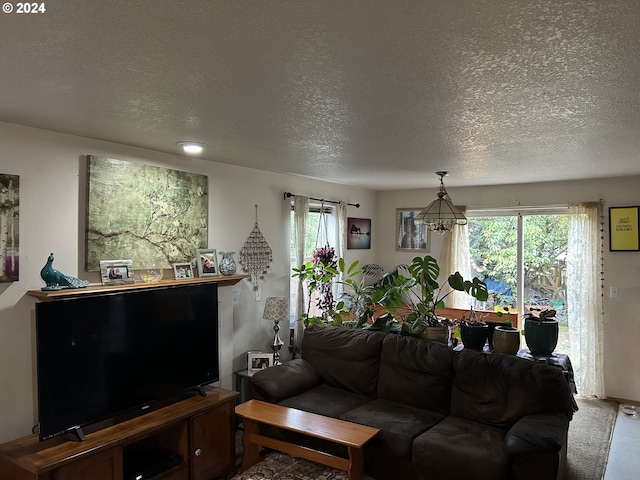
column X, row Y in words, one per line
column 200, row 430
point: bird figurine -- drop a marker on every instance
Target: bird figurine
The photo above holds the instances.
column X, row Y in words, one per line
column 56, row 280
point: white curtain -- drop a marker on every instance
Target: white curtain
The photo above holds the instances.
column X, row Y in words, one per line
column 342, row 239
column 584, row 293
column 300, row 215
column 456, row 257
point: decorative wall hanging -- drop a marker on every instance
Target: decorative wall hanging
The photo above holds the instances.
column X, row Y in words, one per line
column 9, row 227
column 150, row 214
column 255, row 255
column 624, row 234
column 358, row 233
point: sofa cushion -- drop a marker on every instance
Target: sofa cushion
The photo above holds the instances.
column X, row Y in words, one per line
column 326, row 400
column 399, row 424
column 347, row 359
column 457, row 448
column 416, row 373
column 499, row 389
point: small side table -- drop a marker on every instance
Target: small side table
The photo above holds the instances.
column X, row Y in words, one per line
column 242, row 385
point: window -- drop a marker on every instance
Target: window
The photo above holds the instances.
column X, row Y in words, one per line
column 522, row 258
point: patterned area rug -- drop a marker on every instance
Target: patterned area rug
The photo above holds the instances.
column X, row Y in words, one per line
column 279, row 466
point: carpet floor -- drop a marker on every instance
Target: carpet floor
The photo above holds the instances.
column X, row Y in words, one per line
column 589, row 441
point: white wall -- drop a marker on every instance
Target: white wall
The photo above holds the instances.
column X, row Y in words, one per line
column 49, row 166
column 622, row 269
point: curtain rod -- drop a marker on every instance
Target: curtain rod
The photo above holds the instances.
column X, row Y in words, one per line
column 289, row 195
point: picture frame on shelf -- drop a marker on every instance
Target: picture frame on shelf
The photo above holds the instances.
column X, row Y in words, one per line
column 258, row 361
column 624, row 231
column 409, row 236
column 116, row 272
column 182, row 271
column 207, row 262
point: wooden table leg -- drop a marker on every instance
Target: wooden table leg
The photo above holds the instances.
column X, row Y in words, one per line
column 250, row 454
column 356, row 463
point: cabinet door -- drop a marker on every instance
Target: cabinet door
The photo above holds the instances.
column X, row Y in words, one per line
column 212, row 443
column 100, row 466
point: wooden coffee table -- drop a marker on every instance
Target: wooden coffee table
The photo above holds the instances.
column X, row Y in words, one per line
column 351, row 435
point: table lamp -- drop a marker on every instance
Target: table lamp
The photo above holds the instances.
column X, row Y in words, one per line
column 276, row 309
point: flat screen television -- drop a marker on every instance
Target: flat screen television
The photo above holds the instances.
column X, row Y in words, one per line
column 105, row 356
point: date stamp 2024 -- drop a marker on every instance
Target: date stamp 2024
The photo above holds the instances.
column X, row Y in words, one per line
column 24, row 7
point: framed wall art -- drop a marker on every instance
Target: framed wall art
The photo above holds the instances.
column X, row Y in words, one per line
column 151, row 214
column 358, row 233
column 9, row 228
column 624, row 235
column 409, row 236
column 116, row 272
column 207, row 262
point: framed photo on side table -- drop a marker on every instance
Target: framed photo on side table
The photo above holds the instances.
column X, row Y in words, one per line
column 259, row 361
column 116, row 272
column 207, row 262
column 409, row 236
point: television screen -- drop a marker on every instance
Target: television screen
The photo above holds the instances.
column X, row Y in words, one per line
column 101, row 356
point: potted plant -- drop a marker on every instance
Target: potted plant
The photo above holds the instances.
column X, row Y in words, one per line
column 506, row 338
column 473, row 330
column 411, row 294
column 321, row 275
column 541, row 332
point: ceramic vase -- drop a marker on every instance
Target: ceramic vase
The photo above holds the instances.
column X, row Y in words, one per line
column 227, row 264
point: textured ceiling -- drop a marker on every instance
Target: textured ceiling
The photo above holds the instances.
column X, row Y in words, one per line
column 375, row 93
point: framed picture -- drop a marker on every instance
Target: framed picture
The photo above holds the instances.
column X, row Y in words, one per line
column 207, row 262
column 182, row 271
column 409, row 236
column 358, row 233
column 116, row 272
column 259, row 361
column 624, row 235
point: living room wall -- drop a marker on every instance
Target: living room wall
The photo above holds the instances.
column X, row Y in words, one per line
column 49, row 165
column 621, row 269
column 51, row 199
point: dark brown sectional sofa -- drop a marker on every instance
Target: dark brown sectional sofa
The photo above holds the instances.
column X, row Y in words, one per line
column 442, row 414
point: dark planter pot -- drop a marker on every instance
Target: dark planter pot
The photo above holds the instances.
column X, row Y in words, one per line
column 542, row 337
column 474, row 337
column 506, row 340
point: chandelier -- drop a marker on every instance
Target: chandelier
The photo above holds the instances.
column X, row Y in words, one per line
column 440, row 215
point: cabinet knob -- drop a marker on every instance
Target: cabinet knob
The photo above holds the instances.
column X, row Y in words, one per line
column 198, row 452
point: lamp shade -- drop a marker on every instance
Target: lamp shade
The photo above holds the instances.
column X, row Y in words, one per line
column 276, row 309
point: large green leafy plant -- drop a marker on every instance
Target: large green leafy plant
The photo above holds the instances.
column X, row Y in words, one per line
column 411, row 294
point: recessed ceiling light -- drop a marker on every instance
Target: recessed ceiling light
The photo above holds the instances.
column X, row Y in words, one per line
column 192, row 148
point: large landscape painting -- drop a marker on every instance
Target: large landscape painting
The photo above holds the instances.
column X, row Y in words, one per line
column 144, row 213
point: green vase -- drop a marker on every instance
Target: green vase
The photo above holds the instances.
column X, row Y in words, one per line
column 474, row 336
column 541, row 337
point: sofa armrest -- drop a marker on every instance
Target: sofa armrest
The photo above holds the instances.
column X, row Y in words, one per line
column 539, row 433
column 280, row 382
